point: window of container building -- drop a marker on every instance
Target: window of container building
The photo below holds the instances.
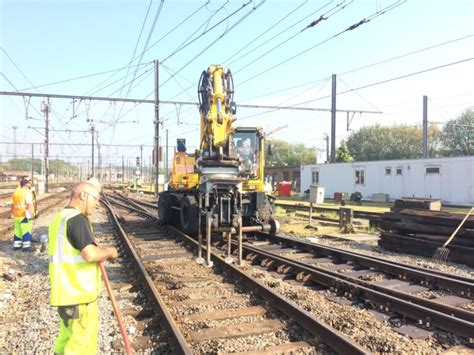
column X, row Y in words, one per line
column 433, row 170
column 388, row 171
column 315, row 177
column 399, row 171
column 359, row 177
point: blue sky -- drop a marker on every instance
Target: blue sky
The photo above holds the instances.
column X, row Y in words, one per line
column 52, row 41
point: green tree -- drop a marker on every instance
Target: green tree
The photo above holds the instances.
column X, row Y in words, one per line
column 284, row 153
column 458, row 135
column 391, row 142
column 342, row 153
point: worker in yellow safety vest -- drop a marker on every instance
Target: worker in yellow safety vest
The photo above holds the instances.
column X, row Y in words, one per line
column 23, row 211
column 74, row 272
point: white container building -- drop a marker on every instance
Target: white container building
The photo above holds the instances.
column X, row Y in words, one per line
column 450, row 179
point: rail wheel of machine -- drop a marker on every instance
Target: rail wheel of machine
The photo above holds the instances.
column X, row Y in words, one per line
column 189, row 217
column 165, row 212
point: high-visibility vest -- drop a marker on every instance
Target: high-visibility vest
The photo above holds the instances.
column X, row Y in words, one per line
column 73, row 280
column 19, row 199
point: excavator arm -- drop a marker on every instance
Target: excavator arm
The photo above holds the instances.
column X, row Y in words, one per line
column 217, row 110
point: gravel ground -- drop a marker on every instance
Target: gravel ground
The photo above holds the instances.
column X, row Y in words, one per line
column 27, row 322
column 359, row 324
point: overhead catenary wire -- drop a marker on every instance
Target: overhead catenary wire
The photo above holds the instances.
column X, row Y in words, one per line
column 350, row 28
column 137, row 43
column 338, row 7
column 185, row 45
column 150, row 33
column 363, row 98
column 248, row 44
column 239, row 21
column 389, row 80
column 146, row 50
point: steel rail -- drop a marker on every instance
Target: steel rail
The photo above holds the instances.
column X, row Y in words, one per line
column 438, row 279
column 328, row 335
column 447, row 309
column 411, row 310
column 169, row 324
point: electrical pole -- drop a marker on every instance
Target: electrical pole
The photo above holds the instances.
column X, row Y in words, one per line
column 141, row 161
column 46, row 109
column 123, row 170
column 166, row 161
column 327, row 148
column 99, row 158
column 92, row 143
column 32, row 161
column 425, row 127
column 57, row 169
column 157, row 124
column 333, row 120
column 14, row 143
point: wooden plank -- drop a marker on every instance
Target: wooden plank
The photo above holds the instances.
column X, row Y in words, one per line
column 138, row 343
column 229, row 313
column 187, row 291
column 142, row 313
column 206, row 301
column 237, row 330
column 287, row 348
column 121, row 287
column 155, row 257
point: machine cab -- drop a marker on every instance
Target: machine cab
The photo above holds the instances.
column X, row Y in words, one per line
column 248, row 142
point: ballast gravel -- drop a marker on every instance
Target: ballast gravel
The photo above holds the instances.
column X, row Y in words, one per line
column 28, row 324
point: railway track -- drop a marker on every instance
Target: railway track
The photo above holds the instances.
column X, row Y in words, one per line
column 416, row 302
column 425, row 299
column 219, row 309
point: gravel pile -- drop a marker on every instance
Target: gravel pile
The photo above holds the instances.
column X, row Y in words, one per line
column 27, row 322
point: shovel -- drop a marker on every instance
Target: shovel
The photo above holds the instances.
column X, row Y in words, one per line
column 441, row 254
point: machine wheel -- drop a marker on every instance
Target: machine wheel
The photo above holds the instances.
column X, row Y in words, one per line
column 165, row 212
column 189, row 215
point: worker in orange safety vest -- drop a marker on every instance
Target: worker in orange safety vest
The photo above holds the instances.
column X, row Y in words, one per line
column 23, row 212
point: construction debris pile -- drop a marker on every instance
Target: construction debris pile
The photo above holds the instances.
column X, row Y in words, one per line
column 422, row 232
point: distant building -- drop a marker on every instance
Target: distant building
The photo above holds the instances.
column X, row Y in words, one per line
column 450, row 179
column 276, row 174
column 15, row 174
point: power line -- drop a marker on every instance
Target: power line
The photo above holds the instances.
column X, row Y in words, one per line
column 350, row 28
column 254, row 8
column 180, row 48
column 246, row 46
column 150, row 33
column 391, row 79
column 405, row 55
column 328, row 14
column 136, row 45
